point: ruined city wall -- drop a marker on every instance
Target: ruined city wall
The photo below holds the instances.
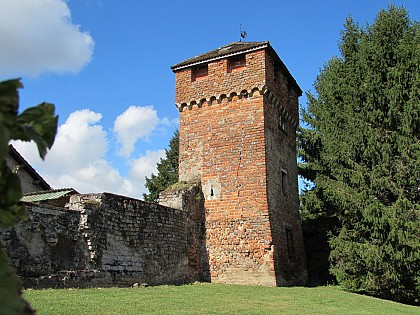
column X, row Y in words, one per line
column 104, row 240
column 47, row 242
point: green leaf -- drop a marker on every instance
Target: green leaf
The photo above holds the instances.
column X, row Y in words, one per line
column 11, row 290
column 4, row 138
column 39, row 124
column 9, row 97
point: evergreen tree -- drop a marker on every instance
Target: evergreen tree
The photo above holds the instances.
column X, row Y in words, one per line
column 362, row 152
column 167, row 171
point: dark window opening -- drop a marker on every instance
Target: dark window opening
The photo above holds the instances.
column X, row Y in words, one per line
column 290, row 244
column 199, row 72
column 282, row 124
column 236, row 62
column 283, row 182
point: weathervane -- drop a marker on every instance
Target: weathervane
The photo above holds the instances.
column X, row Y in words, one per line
column 243, row 33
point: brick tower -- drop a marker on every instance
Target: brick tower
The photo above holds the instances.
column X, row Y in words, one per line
column 238, row 117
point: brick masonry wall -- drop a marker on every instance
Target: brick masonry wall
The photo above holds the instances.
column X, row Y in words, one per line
column 234, row 185
column 284, row 205
column 223, row 144
column 281, row 87
column 219, row 81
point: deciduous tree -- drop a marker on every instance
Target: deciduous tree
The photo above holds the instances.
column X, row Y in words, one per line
column 39, row 124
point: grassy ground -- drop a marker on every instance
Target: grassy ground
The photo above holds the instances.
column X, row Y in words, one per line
column 210, row 299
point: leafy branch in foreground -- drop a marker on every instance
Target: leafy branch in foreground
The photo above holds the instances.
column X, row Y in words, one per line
column 39, row 124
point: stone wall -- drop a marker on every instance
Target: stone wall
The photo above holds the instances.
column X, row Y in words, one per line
column 189, row 196
column 49, row 241
column 106, row 240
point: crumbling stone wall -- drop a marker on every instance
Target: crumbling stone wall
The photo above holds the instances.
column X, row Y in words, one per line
column 133, row 241
column 189, row 197
column 106, row 240
column 49, row 241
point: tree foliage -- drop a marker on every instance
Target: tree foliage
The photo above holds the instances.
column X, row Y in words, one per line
column 167, row 170
column 362, row 152
column 39, row 124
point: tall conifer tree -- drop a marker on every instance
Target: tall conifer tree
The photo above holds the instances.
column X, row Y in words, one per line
column 167, row 171
column 362, row 152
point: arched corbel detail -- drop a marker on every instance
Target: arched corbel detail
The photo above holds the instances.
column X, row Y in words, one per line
column 202, row 102
column 221, row 98
column 283, row 111
column 211, row 100
column 255, row 90
column 244, row 93
column 232, row 95
column 281, row 108
column 264, row 90
column 182, row 106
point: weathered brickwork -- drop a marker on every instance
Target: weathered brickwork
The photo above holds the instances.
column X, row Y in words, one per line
column 220, row 81
column 237, row 137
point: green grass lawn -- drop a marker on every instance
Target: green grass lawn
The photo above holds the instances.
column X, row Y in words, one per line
column 210, row 299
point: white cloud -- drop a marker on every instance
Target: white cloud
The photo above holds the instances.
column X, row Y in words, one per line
column 38, row 36
column 135, row 123
column 78, row 159
column 144, row 166
column 79, row 141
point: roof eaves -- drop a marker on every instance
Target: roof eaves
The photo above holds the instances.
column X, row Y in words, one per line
column 283, row 66
column 186, row 64
column 31, row 171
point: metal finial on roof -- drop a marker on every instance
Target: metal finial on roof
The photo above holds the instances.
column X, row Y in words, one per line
column 243, row 33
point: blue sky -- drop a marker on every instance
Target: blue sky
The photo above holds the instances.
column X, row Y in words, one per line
column 105, row 64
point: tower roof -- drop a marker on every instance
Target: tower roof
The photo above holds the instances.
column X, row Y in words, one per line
column 231, row 49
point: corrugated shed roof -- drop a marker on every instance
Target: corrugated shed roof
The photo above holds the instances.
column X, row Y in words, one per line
column 222, row 52
column 48, row 195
